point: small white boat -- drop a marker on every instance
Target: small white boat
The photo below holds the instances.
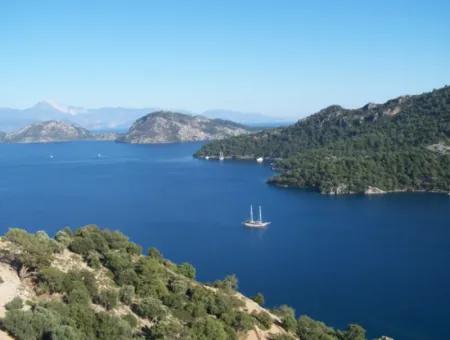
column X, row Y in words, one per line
column 51, row 156
column 259, row 159
column 221, row 156
column 251, row 223
column 207, row 158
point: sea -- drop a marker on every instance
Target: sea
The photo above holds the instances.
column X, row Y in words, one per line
column 380, row 261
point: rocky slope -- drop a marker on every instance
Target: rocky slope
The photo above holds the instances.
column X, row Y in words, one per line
column 168, row 127
column 53, row 131
column 95, row 284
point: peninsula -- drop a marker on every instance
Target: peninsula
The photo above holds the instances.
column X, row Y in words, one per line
column 401, row 145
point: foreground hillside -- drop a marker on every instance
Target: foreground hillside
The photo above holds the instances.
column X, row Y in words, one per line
column 401, row 145
column 95, row 284
column 169, row 127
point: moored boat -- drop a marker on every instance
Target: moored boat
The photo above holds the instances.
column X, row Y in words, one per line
column 252, row 223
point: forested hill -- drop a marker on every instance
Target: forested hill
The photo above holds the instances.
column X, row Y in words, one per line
column 403, row 144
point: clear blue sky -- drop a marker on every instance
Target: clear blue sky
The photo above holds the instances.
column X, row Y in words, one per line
column 276, row 57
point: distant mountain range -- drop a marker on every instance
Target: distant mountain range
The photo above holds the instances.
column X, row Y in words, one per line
column 155, row 127
column 112, row 118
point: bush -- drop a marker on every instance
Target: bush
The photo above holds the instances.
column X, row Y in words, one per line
column 308, row 328
column 76, row 279
column 107, row 298
column 51, row 280
column 14, row 304
column 78, row 295
column 187, row 270
column 208, row 328
column 287, row 316
column 64, row 332
column 150, row 308
column 177, row 286
column 37, row 250
column 130, row 319
column 155, row 253
column 264, row 319
column 229, row 283
column 111, row 327
column 126, row 294
column 82, row 246
column 259, row 299
column 168, row 330
column 31, row 324
column 354, row 332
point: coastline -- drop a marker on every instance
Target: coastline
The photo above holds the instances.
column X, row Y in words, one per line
column 339, row 190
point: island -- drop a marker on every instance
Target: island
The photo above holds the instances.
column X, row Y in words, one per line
column 53, row 131
column 401, row 145
column 93, row 283
column 171, row 127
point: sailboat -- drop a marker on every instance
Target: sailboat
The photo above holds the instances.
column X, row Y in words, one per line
column 221, row 157
column 252, row 223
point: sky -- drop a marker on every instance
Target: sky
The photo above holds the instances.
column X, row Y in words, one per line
column 279, row 57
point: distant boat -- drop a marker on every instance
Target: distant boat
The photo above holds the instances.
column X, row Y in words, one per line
column 251, row 223
column 99, row 155
column 51, row 156
column 260, row 159
column 207, row 157
column 221, row 157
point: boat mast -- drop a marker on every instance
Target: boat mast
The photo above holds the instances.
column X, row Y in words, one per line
column 251, row 213
column 260, row 214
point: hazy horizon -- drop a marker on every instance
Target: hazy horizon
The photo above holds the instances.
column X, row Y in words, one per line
column 281, row 59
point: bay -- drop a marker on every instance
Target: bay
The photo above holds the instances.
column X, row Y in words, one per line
column 381, row 261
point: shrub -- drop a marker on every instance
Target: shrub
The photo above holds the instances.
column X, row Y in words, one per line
column 308, row 328
column 14, row 304
column 177, row 286
column 31, row 324
column 229, row 283
column 150, row 308
column 154, row 253
column 126, row 294
column 264, row 319
column 259, row 299
column 187, row 270
column 208, row 328
column 287, row 316
column 65, row 332
column 107, row 298
column 86, row 279
column 130, row 319
column 36, row 250
column 168, row 330
column 78, row 295
column 82, row 246
column 354, row 332
column 111, row 327
column 51, row 280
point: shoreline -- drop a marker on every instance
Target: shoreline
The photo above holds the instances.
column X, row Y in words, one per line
column 370, row 191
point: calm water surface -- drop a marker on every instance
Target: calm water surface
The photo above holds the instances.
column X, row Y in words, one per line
column 381, row 261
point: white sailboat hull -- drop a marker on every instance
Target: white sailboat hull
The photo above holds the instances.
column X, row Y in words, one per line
column 255, row 224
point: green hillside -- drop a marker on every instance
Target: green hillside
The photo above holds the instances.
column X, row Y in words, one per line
column 96, row 284
column 401, row 145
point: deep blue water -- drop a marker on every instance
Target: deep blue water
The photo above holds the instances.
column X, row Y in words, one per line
column 380, row 261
